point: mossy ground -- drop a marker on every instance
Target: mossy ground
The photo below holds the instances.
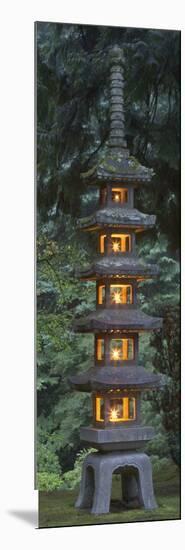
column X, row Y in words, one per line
column 56, row 509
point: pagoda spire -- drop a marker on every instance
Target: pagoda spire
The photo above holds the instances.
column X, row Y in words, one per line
column 116, row 109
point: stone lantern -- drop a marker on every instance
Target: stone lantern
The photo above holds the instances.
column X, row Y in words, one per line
column 117, row 381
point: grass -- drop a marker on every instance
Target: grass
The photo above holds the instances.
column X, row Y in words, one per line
column 56, row 509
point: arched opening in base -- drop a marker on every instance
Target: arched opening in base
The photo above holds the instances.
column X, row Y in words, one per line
column 126, row 492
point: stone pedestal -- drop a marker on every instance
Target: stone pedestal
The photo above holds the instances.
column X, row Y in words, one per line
column 96, row 483
column 117, row 439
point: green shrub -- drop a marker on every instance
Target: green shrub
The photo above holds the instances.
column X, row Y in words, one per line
column 47, row 460
column 159, row 464
column 48, row 481
column 71, row 479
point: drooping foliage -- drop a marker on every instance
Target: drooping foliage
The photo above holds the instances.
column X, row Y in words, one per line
column 72, row 128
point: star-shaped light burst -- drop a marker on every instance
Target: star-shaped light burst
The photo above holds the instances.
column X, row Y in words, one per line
column 113, row 414
column 115, row 354
column 116, row 297
column 116, row 246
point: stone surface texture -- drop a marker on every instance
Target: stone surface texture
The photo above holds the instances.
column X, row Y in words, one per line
column 97, row 378
column 119, row 216
column 111, row 439
column 136, row 476
column 126, row 318
column 119, row 265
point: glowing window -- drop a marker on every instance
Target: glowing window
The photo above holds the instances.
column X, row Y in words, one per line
column 100, row 349
column 122, row 349
column 122, row 409
column 101, row 294
column 99, row 409
column 102, row 243
column 120, row 243
column 121, row 294
column 119, row 195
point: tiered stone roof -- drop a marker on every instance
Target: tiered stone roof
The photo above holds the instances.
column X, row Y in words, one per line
column 119, row 265
column 120, row 217
column 98, row 378
column 118, row 166
column 127, row 318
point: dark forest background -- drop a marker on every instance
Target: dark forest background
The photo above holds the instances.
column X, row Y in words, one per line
column 72, row 128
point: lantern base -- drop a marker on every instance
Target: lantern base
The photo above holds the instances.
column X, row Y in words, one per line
column 96, row 483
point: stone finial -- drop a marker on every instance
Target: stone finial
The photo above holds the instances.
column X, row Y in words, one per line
column 117, row 118
column 116, row 56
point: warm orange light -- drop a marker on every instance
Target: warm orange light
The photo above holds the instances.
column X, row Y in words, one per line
column 119, row 194
column 102, row 243
column 122, row 294
column 98, row 410
column 116, row 246
column 117, row 198
column 126, row 408
column 101, row 294
column 100, row 349
column 113, row 415
column 122, row 411
column 117, row 297
column 124, row 243
column 123, row 350
column 115, row 354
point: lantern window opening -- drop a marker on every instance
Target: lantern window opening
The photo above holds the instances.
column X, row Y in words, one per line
column 122, row 349
column 120, row 242
column 102, row 243
column 100, row 349
column 119, row 195
column 99, row 409
column 121, row 294
column 101, row 294
column 121, row 409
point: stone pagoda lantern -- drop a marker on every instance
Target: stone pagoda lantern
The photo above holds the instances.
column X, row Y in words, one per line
column 117, row 381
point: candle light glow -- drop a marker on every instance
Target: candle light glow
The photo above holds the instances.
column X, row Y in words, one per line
column 117, row 198
column 117, row 297
column 116, row 246
column 115, row 354
column 113, row 414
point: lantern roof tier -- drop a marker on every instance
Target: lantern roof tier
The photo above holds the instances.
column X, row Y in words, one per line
column 129, row 218
column 117, row 265
column 117, row 166
column 113, row 378
column 125, row 319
